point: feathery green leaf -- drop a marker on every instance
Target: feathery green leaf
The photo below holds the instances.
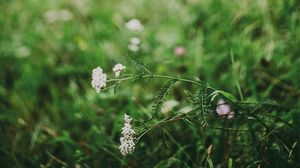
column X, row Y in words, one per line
column 139, row 65
column 161, row 96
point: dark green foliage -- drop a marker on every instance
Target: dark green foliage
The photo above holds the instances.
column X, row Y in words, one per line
column 50, row 116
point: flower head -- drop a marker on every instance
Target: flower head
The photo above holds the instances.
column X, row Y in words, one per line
column 231, row 115
column 134, row 25
column 134, row 44
column 118, row 68
column 223, row 109
column 98, row 79
column 133, row 47
column 180, row 51
column 186, row 109
column 169, row 106
column 135, row 40
column 127, row 144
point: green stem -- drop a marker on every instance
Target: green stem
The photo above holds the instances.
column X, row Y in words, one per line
column 164, row 121
column 160, row 76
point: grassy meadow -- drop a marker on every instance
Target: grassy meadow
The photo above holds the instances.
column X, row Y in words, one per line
column 50, row 116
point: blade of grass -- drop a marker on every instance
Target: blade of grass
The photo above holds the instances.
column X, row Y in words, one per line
column 236, row 76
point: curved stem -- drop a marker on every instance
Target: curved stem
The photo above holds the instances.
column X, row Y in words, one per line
column 162, row 77
column 164, row 121
column 178, row 78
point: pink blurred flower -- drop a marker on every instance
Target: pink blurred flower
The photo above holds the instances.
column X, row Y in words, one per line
column 180, row 51
column 223, row 109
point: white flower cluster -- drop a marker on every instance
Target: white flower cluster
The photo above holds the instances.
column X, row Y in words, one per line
column 98, row 79
column 134, row 25
column 118, row 68
column 127, row 144
column 134, row 44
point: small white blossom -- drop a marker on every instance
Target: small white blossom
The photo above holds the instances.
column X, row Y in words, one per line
column 133, row 47
column 127, row 144
column 118, row 68
column 231, row 115
column 134, row 44
column 134, row 25
column 135, row 40
column 23, row 52
column 169, row 106
column 51, row 16
column 186, row 109
column 98, row 79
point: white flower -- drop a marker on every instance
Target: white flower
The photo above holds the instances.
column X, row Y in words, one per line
column 133, row 47
column 58, row 15
column 169, row 105
column 134, row 44
column 186, row 109
column 51, row 16
column 23, row 51
column 134, row 25
column 118, row 68
column 223, row 109
column 231, row 115
column 127, row 144
column 98, row 79
column 135, row 40
column 65, row 15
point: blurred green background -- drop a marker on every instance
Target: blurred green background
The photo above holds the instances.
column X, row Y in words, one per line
column 50, row 113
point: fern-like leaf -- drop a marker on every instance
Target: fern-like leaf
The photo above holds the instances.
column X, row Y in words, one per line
column 202, row 104
column 161, row 96
column 139, row 65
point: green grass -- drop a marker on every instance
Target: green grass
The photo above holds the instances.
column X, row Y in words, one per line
column 51, row 116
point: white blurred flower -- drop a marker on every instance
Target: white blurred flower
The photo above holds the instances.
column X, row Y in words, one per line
column 134, row 44
column 21, row 121
column 23, row 52
column 231, row 115
column 133, row 47
column 223, row 109
column 169, row 105
column 51, row 16
column 65, row 15
column 118, row 68
column 134, row 25
column 186, row 109
column 98, row 79
column 82, row 6
column 135, row 40
column 127, row 144
column 58, row 15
